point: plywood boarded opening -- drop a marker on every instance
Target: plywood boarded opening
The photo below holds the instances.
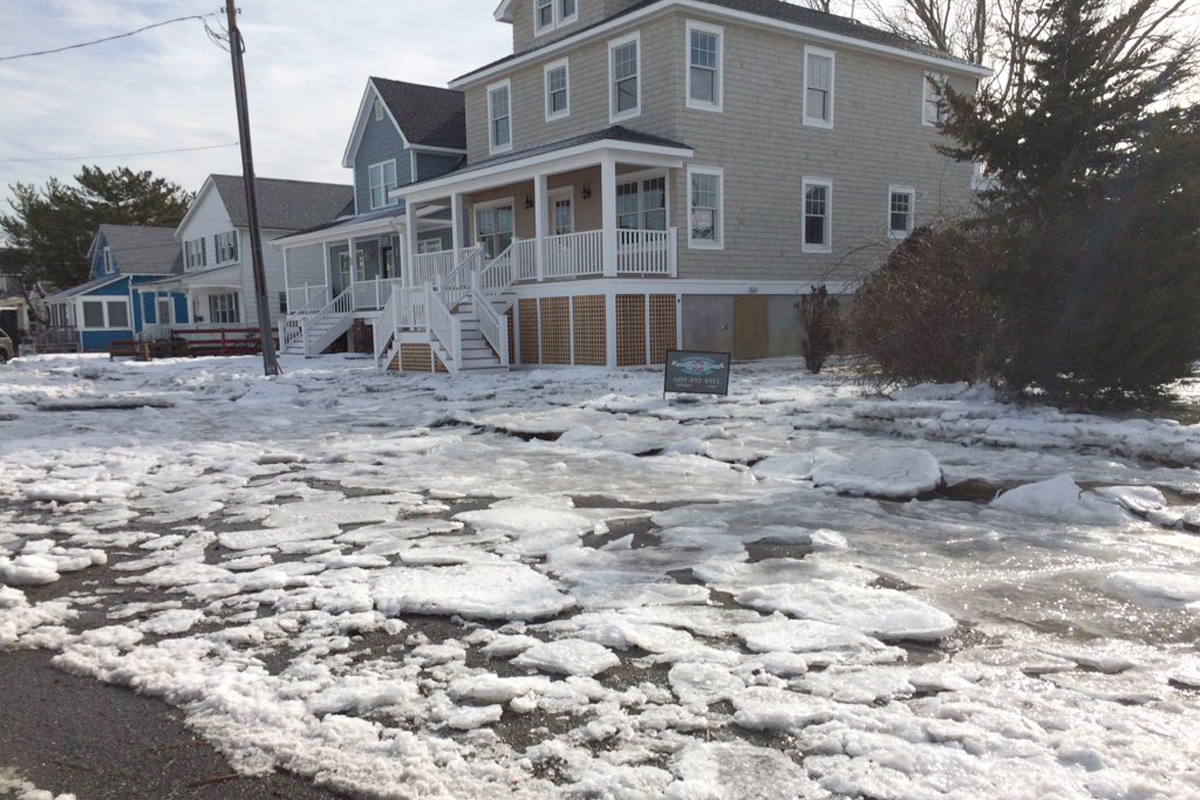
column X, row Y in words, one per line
column 631, row 330
column 590, row 330
column 751, row 326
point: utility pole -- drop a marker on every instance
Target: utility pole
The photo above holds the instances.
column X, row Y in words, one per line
column 270, row 364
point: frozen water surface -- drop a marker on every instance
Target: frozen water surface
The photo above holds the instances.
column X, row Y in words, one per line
column 557, row 584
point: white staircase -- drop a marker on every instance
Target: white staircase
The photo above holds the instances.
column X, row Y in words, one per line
column 309, row 332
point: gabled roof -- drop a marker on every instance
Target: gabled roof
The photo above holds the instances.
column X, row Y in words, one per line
column 767, row 11
column 282, row 204
column 425, row 116
column 140, row 249
column 83, row 288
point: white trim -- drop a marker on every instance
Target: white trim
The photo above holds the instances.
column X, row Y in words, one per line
column 613, row 114
column 806, row 118
column 488, row 205
column 104, row 301
column 365, row 112
column 557, row 18
column 747, row 17
column 565, row 65
column 237, row 247
column 719, row 74
column 493, row 147
column 718, row 243
column 827, row 247
column 927, row 94
column 900, row 235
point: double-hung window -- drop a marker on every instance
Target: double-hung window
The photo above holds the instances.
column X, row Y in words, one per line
column 901, row 209
column 933, row 101
column 500, row 117
column 381, row 178
column 227, row 247
column 642, row 204
column 704, row 65
column 705, row 213
column 194, row 252
column 818, row 87
column 818, row 216
column 558, row 98
column 624, row 68
column 224, row 308
column 105, row 314
column 551, row 14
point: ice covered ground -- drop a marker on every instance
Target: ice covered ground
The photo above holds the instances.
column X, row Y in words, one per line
column 555, row 584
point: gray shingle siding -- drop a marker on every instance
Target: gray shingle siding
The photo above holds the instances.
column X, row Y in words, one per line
column 431, row 165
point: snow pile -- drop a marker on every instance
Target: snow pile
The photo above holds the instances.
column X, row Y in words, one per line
column 1060, row 499
column 479, row 591
column 899, row 474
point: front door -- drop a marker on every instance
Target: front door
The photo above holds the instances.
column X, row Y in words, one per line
column 494, row 229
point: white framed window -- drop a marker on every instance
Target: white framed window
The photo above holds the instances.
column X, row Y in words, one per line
column 226, row 247
column 378, row 110
column 381, row 178
column 224, row 308
column 818, row 86
column 817, row 216
column 429, row 245
column 494, row 226
column 902, row 205
column 109, row 262
column 500, row 117
column 562, row 212
column 624, row 77
column 106, row 314
column 194, row 253
column 706, row 212
column 162, row 310
column 705, row 65
column 557, row 77
column 933, row 101
column 118, row 313
column 551, row 14
column 642, row 204
column 93, row 314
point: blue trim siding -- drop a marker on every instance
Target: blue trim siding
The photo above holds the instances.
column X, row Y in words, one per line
column 181, row 308
column 98, row 341
column 380, row 142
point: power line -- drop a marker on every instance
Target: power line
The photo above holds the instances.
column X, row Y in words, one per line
column 117, row 155
column 107, row 38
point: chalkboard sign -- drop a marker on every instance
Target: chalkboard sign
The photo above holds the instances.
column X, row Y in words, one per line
column 696, row 372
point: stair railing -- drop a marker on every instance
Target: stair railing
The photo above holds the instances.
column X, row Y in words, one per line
column 323, row 320
column 384, row 329
column 444, row 328
column 293, row 323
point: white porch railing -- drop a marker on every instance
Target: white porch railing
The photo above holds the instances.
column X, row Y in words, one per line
column 410, row 307
column 291, row 327
column 573, row 255
column 374, row 293
column 456, row 285
column 308, row 296
column 315, row 326
column 444, row 328
column 385, row 327
column 488, row 284
column 436, row 267
column 647, row 252
column 525, row 259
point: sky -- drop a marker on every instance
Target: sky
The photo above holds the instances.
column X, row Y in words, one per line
column 171, row 88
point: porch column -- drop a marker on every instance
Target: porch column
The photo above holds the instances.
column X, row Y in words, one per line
column 608, row 209
column 328, row 270
column 353, row 267
column 540, row 226
column 287, row 284
column 456, row 218
column 409, row 242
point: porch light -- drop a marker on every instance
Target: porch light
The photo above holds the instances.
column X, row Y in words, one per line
column 528, row 201
column 587, row 190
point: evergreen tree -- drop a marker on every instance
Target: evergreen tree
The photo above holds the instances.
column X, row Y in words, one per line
column 53, row 225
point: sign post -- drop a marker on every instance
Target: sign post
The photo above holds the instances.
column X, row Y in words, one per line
column 696, row 372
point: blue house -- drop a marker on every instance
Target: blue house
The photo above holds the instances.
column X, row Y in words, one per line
column 343, row 271
column 119, row 300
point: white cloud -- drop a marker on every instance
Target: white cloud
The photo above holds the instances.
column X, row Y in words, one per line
column 307, row 63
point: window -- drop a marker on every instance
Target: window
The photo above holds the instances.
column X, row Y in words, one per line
column 818, row 87
column 624, row 66
column 933, row 101
column 817, row 216
column 704, row 66
column 194, row 253
column 499, row 117
column 93, row 314
column 562, row 216
column 381, row 178
column 378, row 110
column 118, row 314
column 109, row 262
column 283, row 309
column 223, row 308
column 901, row 205
column 558, row 101
column 494, row 228
column 227, row 247
column 163, row 310
column 705, row 222
column 429, row 245
column 642, row 204
column 551, row 14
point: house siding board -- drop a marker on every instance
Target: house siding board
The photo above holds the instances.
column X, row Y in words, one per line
column 306, row 265
column 380, row 142
column 431, row 165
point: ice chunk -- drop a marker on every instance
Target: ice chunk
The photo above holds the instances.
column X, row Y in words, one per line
column 899, row 473
column 568, row 657
column 1060, row 499
column 703, row 684
column 738, row 771
column 480, row 591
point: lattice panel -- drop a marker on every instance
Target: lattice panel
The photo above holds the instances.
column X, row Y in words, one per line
column 590, row 330
column 529, row 332
column 662, row 326
column 510, row 325
column 631, row 330
column 415, row 357
column 556, row 330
